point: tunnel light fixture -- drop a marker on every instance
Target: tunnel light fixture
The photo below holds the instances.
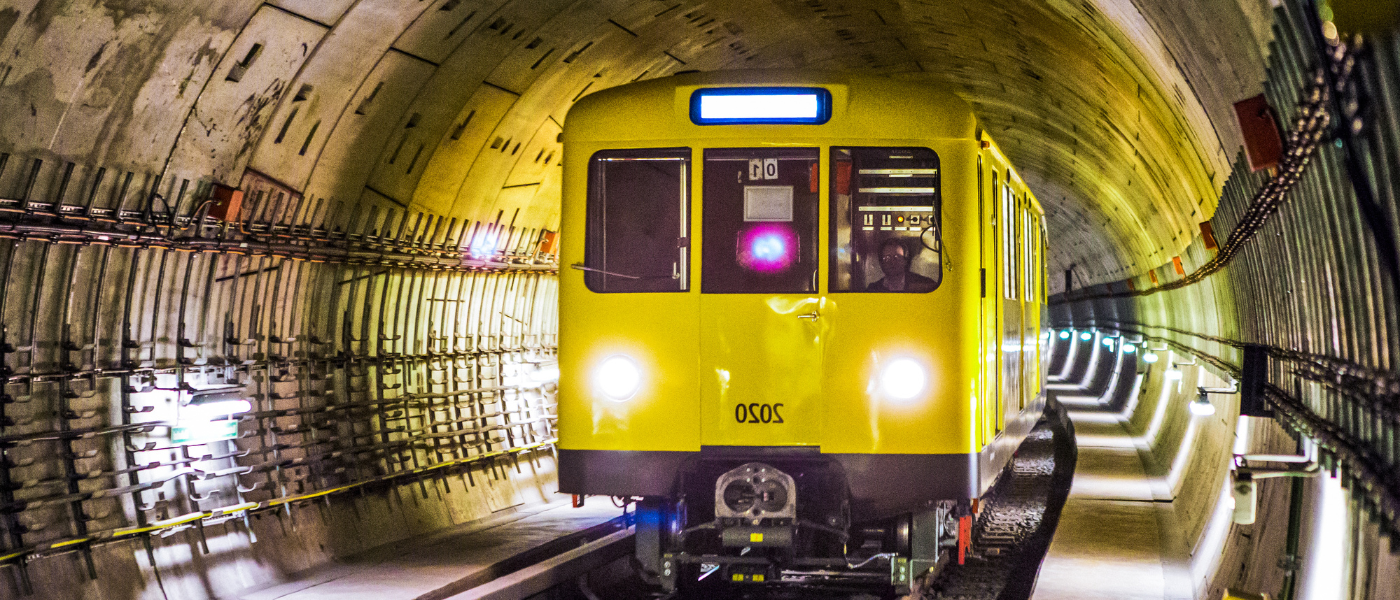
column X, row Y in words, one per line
column 204, row 422
column 1086, row 336
column 1173, row 374
column 544, row 374
column 1129, row 348
column 1202, row 406
column 1108, row 342
column 760, row 105
column 213, row 410
column 1150, row 357
column 1064, row 334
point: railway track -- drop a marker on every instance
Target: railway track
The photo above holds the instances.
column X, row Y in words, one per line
column 1016, row 521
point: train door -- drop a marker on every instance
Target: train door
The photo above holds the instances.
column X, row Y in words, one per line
column 991, row 387
column 885, row 262
column 761, row 320
column 980, row 410
column 1030, row 350
column 636, row 261
column 996, row 289
column 1031, row 333
column 1011, row 307
column 1041, row 330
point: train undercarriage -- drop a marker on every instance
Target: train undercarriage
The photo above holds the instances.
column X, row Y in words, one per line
column 789, row 523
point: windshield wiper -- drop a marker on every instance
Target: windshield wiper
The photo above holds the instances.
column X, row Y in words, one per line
column 581, row 267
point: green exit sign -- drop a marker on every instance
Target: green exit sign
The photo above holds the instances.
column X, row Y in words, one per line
column 203, row 433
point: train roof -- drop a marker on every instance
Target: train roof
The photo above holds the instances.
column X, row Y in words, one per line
column 861, row 106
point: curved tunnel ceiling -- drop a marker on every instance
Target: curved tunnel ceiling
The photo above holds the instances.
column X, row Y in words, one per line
column 1117, row 112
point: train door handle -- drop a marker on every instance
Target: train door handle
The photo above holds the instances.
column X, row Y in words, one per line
column 811, row 316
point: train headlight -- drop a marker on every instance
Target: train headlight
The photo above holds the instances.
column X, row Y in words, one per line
column 903, row 379
column 618, row 378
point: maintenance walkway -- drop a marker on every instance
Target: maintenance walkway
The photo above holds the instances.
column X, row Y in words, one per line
column 1115, row 539
column 450, row 562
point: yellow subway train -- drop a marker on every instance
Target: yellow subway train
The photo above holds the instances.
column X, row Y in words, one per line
column 802, row 322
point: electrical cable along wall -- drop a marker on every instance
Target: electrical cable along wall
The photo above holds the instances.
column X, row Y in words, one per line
column 167, row 372
column 1312, row 280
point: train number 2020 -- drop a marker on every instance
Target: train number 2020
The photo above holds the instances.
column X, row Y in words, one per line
column 756, row 412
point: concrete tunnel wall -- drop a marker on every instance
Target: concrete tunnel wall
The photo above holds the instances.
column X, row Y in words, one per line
column 431, row 125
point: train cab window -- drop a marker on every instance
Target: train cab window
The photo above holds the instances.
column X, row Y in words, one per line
column 761, row 215
column 886, row 220
column 638, row 221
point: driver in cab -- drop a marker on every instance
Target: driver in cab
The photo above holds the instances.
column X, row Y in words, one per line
column 895, row 260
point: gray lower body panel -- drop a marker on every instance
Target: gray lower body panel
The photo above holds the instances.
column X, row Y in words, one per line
column 880, row 484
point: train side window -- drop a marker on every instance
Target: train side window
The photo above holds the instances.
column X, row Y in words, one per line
column 638, row 221
column 761, row 216
column 886, row 220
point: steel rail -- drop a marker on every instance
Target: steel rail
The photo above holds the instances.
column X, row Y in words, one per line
column 558, row 570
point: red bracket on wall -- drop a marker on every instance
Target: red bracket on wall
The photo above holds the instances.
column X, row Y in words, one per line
column 225, row 203
column 1262, row 142
column 1208, row 236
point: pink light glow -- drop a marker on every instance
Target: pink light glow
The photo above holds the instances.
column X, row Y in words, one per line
column 768, row 248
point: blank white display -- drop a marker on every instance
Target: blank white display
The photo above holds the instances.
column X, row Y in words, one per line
column 759, row 106
column 770, row 203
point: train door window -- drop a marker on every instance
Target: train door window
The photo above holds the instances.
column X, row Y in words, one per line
column 638, row 221
column 1008, row 243
column 1018, row 256
column 1044, row 262
column 995, row 210
column 761, row 216
column 886, row 216
column 1027, row 269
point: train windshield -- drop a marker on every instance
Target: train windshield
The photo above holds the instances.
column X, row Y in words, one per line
column 885, row 220
column 638, row 226
column 761, row 219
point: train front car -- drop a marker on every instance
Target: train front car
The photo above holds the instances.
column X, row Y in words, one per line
column 777, row 328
